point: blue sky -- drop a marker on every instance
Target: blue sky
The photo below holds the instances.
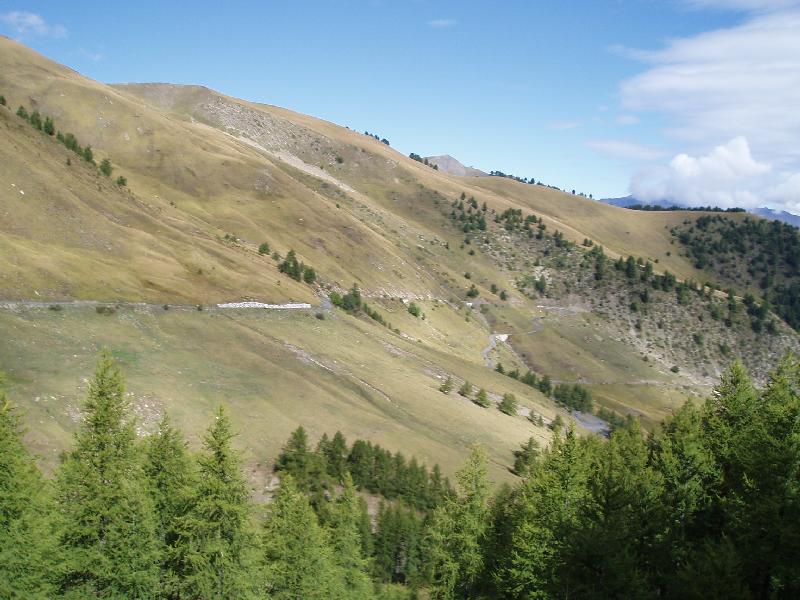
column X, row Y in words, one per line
column 654, row 96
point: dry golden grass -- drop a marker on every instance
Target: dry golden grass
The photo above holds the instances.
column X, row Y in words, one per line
column 201, row 165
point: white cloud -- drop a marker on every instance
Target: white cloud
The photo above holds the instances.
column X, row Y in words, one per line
column 728, row 176
column 27, row 23
column 786, row 194
column 442, row 23
column 628, row 120
column 742, row 81
column 741, row 84
column 625, row 150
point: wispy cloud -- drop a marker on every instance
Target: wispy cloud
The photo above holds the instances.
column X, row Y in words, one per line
column 92, row 56
column 736, row 83
column 564, row 125
column 742, row 81
column 626, row 150
column 628, row 120
column 27, row 23
column 442, row 23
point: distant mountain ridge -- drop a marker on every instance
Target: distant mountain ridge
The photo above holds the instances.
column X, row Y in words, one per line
column 767, row 213
column 453, row 166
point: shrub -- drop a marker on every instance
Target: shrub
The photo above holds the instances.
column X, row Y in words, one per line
column 482, row 398
column 466, row 389
column 291, row 266
column 309, row 275
column 105, row 167
column 556, row 424
column 508, row 404
column 545, row 385
column 504, row 295
column 263, row 248
column 88, row 155
column 447, row 385
column 36, row 120
column 536, row 419
column 414, row 309
column 48, row 126
column 122, row 181
column 2, row 100
column 351, row 301
column 71, row 142
column 22, row 113
column 472, row 292
column 320, row 316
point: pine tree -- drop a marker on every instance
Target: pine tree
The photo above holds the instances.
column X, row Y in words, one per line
column 614, row 551
column 291, row 266
column 691, row 477
column 508, row 404
column 525, row 457
column 214, row 545
column 27, row 547
column 396, row 557
column 306, row 467
column 172, row 478
column 545, row 514
column 456, row 533
column 344, row 519
column 751, row 437
column 336, row 457
column 106, row 520
column 106, row 168
column 297, row 557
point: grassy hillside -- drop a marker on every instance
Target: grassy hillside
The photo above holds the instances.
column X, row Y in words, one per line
column 211, row 178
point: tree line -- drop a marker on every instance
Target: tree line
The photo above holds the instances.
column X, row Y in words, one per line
column 706, row 507
column 756, row 253
column 46, row 125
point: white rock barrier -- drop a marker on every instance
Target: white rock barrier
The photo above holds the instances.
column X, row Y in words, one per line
column 289, row 306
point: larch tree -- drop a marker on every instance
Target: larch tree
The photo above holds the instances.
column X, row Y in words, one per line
column 172, row 478
column 297, row 556
column 455, row 536
column 106, row 526
column 344, row 522
column 27, row 547
column 214, row 545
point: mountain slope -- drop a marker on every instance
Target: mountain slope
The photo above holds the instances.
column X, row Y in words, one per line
column 211, row 178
